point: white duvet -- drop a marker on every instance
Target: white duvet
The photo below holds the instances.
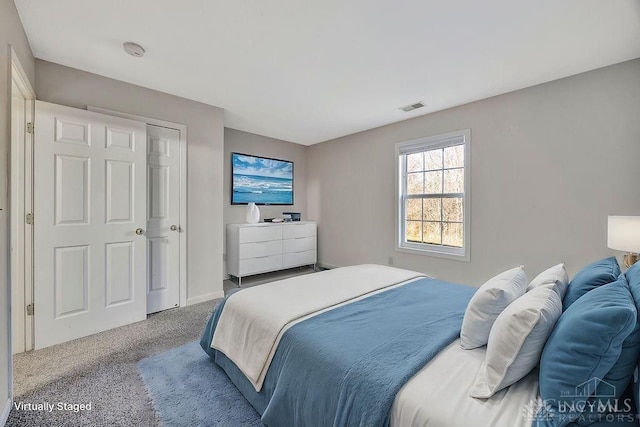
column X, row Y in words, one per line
column 253, row 320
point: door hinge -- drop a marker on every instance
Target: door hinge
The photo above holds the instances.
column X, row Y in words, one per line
column 30, row 310
column 29, row 127
column 28, row 218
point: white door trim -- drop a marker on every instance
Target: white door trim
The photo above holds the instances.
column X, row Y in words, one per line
column 183, row 185
column 22, row 203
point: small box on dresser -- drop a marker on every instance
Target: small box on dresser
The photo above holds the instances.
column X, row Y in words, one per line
column 264, row 247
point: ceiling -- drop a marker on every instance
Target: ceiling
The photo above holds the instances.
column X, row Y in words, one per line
column 310, row 71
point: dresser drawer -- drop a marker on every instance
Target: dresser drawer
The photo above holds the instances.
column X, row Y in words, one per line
column 264, row 247
column 260, row 249
column 260, row 234
column 298, row 258
column 293, row 231
column 259, row 265
column 298, row 245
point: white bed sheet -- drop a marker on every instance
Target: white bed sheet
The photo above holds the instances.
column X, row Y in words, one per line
column 438, row 395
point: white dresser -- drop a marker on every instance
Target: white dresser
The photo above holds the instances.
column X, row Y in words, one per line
column 263, row 247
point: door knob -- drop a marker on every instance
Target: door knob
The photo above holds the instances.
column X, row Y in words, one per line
column 139, row 231
column 174, row 227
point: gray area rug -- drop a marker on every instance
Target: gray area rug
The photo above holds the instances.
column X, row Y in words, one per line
column 188, row 389
column 100, row 370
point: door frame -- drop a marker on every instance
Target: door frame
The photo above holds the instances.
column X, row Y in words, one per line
column 183, row 185
column 21, row 193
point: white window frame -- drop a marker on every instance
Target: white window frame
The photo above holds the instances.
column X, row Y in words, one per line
column 424, row 144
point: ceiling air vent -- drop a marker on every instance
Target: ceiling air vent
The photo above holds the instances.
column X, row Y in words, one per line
column 412, row 107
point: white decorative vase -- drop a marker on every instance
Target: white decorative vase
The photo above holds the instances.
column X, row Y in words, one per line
column 253, row 213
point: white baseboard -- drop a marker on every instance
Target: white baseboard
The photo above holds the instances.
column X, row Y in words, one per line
column 205, row 297
column 4, row 416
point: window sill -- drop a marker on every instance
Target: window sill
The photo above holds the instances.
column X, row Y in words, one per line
column 435, row 253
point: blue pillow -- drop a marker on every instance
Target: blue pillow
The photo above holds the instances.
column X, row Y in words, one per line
column 633, row 277
column 620, row 373
column 583, row 347
column 593, row 275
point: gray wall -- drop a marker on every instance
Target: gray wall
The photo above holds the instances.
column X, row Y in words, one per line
column 548, row 164
column 236, row 141
column 242, row 142
column 67, row 86
column 11, row 34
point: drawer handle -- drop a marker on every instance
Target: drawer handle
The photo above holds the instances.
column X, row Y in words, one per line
column 260, row 257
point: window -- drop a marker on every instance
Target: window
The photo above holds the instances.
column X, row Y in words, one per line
column 433, row 195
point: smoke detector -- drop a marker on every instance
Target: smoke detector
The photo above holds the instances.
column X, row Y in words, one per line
column 412, row 107
column 133, row 49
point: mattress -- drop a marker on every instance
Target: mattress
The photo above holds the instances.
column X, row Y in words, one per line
column 437, row 396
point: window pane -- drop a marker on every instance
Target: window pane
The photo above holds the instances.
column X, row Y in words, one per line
column 414, row 209
column 415, row 183
column 432, row 209
column 415, row 162
column 452, row 209
column 452, row 234
column 414, row 231
column 454, row 181
column 454, row 157
column 433, row 182
column 432, row 233
column 433, row 159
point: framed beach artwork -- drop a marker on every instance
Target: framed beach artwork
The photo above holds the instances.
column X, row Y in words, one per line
column 261, row 180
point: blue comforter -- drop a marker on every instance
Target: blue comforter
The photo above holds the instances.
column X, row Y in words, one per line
column 344, row 367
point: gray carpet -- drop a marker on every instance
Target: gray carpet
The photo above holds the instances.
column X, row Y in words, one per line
column 101, row 370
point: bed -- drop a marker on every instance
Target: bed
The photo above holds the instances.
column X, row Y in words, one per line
column 363, row 345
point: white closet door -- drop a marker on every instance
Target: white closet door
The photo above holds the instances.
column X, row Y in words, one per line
column 89, row 205
column 163, row 221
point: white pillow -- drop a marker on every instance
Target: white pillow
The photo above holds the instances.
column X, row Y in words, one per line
column 555, row 277
column 487, row 303
column 516, row 341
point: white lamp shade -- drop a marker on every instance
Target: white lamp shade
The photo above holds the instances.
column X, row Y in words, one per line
column 624, row 233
